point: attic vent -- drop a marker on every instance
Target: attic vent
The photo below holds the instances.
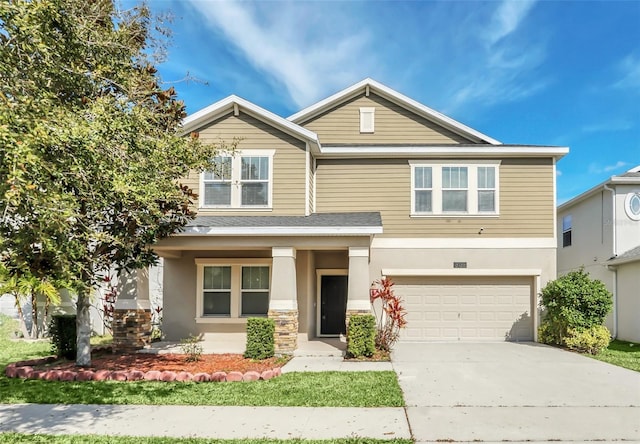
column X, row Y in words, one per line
column 367, row 120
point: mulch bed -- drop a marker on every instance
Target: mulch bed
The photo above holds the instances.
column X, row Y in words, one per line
column 151, row 367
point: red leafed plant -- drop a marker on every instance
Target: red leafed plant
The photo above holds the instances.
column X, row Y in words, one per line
column 392, row 314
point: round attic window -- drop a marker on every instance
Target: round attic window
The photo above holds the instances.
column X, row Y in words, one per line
column 632, row 205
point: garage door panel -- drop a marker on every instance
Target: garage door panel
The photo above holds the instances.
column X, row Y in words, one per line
column 491, row 308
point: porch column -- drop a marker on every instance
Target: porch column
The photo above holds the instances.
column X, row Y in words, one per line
column 132, row 313
column 283, row 303
column 358, row 301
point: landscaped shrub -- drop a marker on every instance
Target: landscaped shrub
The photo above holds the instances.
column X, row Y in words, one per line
column 573, row 301
column 62, row 330
column 391, row 318
column 361, row 336
column 590, row 340
column 260, row 338
column 191, row 347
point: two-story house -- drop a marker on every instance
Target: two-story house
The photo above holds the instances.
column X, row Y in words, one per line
column 600, row 231
column 364, row 184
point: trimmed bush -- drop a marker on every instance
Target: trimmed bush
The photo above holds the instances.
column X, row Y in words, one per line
column 62, row 330
column 573, row 302
column 591, row 340
column 361, row 336
column 260, row 338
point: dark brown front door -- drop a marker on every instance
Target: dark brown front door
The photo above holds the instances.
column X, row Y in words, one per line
column 333, row 304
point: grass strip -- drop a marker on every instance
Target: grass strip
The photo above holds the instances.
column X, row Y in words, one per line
column 320, row 389
column 621, row 353
column 97, row 439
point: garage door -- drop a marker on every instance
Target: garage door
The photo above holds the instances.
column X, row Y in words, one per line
column 467, row 308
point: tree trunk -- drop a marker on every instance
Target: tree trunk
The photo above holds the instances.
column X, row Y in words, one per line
column 83, row 325
column 23, row 324
column 34, row 316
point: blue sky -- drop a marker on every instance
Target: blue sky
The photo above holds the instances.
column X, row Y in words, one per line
column 529, row 72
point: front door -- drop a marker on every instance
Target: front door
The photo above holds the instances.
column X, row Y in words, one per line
column 333, row 305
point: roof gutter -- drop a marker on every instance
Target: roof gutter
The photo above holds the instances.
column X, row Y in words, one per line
column 613, row 268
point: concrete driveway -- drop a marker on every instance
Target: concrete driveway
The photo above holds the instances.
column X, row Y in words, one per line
column 494, row 392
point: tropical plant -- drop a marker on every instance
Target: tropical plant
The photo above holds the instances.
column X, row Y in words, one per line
column 91, row 145
column 391, row 315
column 572, row 302
column 30, row 288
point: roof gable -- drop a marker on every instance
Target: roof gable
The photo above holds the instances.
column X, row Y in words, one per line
column 237, row 105
column 368, row 86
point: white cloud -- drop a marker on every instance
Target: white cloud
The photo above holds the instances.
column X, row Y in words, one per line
column 629, row 67
column 558, row 173
column 507, row 18
column 619, row 164
column 595, row 168
column 608, row 126
column 282, row 40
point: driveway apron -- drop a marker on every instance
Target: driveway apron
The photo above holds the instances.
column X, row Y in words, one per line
column 506, row 391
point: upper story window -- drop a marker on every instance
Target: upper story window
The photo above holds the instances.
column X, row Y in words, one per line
column 632, row 205
column 566, row 231
column 241, row 181
column 367, row 119
column 456, row 188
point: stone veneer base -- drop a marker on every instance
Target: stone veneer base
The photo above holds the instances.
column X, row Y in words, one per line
column 286, row 330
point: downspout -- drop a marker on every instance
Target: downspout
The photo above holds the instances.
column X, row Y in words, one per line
column 614, row 269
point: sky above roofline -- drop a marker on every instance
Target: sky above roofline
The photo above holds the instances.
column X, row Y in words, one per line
column 561, row 73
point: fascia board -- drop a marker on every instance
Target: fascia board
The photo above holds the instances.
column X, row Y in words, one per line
column 448, row 151
column 225, row 105
column 396, row 97
column 280, row 231
column 613, row 180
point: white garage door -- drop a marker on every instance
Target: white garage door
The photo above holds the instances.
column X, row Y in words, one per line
column 467, row 308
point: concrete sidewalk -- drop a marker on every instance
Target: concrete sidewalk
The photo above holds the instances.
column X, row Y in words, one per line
column 206, row 421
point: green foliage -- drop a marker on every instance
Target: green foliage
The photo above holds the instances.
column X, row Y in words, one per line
column 91, row 145
column 62, row 330
column 192, row 348
column 361, row 336
column 260, row 338
column 589, row 340
column 573, row 301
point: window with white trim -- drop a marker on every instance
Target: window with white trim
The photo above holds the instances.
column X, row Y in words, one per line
column 241, row 181
column 454, row 188
column 567, row 223
column 232, row 289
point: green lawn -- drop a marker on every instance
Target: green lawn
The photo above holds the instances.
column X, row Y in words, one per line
column 323, row 389
column 623, row 354
column 70, row 439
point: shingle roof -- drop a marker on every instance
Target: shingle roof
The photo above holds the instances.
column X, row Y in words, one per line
column 368, row 219
column 628, row 256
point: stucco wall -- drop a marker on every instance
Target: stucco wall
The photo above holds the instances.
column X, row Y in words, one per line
column 629, row 301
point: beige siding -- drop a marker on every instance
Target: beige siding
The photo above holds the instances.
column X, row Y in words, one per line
column 393, row 125
column 526, row 198
column 288, row 164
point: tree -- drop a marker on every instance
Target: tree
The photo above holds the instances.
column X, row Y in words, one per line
column 91, row 150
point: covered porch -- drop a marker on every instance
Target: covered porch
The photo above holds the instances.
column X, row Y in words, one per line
column 308, row 273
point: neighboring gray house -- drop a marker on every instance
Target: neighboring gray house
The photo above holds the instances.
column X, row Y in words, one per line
column 600, row 230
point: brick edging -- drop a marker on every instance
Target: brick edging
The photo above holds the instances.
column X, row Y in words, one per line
column 25, row 370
